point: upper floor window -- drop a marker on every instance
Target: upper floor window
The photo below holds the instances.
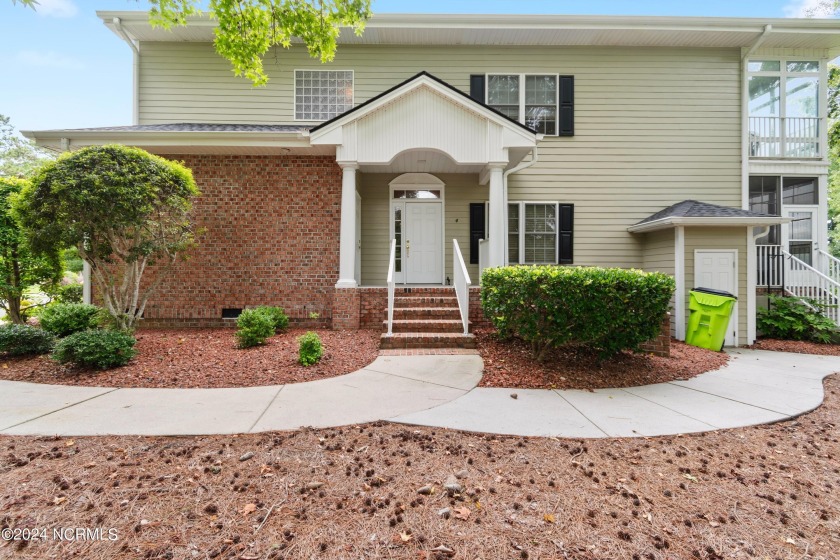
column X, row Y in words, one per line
column 784, row 108
column 528, row 98
column 322, row 94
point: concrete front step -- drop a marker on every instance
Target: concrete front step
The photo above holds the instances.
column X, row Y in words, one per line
column 425, row 326
column 424, row 301
column 451, row 313
column 426, row 340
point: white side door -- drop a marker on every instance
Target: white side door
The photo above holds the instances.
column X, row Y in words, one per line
column 718, row 270
column 423, row 242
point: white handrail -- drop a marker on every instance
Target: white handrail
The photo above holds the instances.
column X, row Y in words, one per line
column 391, row 266
column 804, row 281
column 832, row 265
column 462, row 284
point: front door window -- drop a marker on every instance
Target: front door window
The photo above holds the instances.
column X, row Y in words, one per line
column 801, row 233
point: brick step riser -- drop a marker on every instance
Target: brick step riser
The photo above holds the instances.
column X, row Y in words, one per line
column 423, row 313
column 401, row 303
column 428, row 327
column 392, row 343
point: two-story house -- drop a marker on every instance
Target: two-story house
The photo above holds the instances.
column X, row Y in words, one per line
column 436, row 145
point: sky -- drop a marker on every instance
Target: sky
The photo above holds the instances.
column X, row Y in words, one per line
column 62, row 68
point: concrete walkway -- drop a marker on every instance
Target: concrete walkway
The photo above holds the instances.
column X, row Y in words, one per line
column 756, row 387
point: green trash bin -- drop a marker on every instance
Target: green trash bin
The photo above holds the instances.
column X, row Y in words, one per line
column 709, row 320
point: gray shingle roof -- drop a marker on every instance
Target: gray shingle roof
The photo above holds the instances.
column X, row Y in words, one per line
column 695, row 209
column 198, row 127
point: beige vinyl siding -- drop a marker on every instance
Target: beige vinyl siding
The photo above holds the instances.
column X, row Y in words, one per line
column 459, row 192
column 719, row 238
column 658, row 256
column 653, row 126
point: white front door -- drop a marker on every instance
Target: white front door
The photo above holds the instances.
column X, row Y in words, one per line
column 423, row 244
column 799, row 238
column 718, row 270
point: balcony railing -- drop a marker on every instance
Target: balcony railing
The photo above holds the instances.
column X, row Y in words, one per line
column 789, row 137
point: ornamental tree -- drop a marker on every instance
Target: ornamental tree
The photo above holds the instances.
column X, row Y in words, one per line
column 125, row 210
column 20, row 268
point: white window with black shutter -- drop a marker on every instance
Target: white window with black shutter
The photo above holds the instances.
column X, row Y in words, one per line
column 540, row 233
column 543, row 102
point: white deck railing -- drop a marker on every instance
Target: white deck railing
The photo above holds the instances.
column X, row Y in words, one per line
column 391, row 266
column 829, row 264
column 769, row 265
column 789, row 137
column 804, row 281
column 462, row 284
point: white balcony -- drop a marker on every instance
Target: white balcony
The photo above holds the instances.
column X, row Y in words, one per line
column 785, row 137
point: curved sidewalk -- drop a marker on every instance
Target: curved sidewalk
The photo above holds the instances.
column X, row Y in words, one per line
column 755, row 387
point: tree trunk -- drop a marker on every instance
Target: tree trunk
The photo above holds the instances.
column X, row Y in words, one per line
column 15, row 316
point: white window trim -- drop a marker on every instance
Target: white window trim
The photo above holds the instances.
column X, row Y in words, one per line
column 521, row 233
column 783, row 74
column 522, row 77
column 294, row 90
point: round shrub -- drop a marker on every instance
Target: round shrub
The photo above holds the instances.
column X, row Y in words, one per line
column 95, row 348
column 22, row 340
column 311, row 349
column 277, row 315
column 253, row 327
column 605, row 309
column 70, row 293
column 64, row 319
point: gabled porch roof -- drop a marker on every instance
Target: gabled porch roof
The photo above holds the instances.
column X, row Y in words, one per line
column 425, row 114
column 695, row 213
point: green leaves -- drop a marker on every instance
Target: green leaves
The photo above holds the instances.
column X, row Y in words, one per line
column 247, row 29
column 791, row 318
column 607, row 309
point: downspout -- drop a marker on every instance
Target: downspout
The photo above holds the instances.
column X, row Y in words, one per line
column 752, row 281
column 135, row 49
column 535, row 156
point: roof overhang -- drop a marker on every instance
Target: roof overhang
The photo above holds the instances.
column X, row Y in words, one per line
column 729, row 221
column 542, row 30
column 176, row 142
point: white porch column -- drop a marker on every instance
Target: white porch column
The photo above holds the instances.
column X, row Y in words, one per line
column 496, row 229
column 86, row 287
column 347, row 254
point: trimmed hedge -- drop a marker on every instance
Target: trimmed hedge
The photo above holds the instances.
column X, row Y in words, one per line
column 95, row 348
column 63, row 319
column 605, row 309
column 23, row 340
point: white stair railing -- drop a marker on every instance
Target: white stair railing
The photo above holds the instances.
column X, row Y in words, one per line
column 462, row 284
column 804, row 281
column 769, row 260
column 830, row 265
column 391, row 266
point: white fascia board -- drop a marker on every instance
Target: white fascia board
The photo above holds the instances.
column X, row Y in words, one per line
column 666, row 223
column 325, row 136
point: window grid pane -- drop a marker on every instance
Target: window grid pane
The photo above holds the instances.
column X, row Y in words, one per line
column 322, row 94
column 540, row 233
column 513, row 234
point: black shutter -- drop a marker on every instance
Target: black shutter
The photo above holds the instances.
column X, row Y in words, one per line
column 477, row 87
column 477, row 229
column 567, row 106
column 566, row 231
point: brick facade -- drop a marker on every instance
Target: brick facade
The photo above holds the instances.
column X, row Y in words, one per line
column 661, row 345
column 271, row 237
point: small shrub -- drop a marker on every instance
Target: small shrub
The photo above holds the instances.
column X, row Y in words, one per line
column 277, row 315
column 604, row 309
column 253, row 327
column 311, row 349
column 95, row 348
column 791, row 318
column 69, row 293
column 63, row 319
column 23, row 340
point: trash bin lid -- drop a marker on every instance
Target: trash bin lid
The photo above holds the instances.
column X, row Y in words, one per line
column 714, row 292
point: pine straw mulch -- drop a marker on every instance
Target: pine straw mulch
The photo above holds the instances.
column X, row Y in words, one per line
column 760, row 492
column 190, row 358
column 509, row 364
column 796, row 346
